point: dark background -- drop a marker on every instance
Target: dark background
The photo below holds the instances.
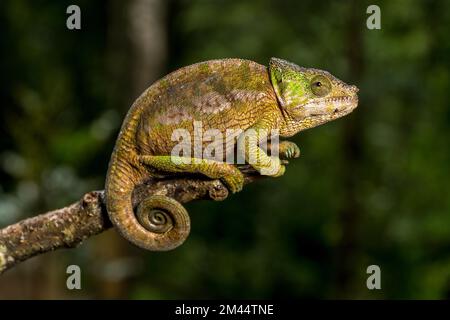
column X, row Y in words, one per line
column 370, row 188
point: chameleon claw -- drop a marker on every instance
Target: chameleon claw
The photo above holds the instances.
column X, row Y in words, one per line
column 289, row 150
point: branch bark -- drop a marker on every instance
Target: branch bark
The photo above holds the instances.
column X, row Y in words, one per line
column 70, row 226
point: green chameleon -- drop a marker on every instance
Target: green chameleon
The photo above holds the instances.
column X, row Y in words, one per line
column 222, row 94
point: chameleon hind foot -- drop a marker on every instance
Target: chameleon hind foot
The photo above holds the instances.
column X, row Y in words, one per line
column 227, row 173
column 231, row 177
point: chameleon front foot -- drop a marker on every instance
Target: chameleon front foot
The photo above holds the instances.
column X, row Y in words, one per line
column 167, row 219
column 289, row 150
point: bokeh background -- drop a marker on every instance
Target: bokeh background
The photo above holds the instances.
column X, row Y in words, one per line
column 370, row 188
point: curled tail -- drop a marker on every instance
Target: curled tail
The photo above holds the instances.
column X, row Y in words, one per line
column 160, row 223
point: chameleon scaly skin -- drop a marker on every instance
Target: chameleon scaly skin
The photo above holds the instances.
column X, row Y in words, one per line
column 222, row 94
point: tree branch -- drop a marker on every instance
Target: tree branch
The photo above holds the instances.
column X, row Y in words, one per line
column 70, row 226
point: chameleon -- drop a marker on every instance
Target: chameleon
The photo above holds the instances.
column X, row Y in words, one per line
column 221, row 94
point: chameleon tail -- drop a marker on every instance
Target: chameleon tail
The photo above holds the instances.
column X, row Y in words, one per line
column 160, row 224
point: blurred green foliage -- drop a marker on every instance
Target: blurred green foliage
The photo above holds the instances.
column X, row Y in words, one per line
column 371, row 188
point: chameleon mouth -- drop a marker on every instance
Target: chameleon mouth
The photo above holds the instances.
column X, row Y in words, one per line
column 336, row 106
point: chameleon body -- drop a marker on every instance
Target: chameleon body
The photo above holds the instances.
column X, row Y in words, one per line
column 221, row 94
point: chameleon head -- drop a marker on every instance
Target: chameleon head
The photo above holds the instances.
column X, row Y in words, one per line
column 309, row 96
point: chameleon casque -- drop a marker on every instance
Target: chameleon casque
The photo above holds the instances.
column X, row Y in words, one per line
column 222, row 94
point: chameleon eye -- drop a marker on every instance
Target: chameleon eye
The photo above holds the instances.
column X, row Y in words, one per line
column 320, row 86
